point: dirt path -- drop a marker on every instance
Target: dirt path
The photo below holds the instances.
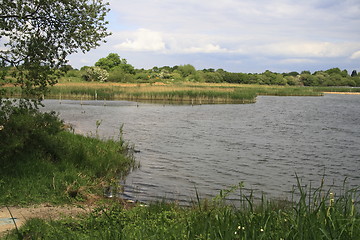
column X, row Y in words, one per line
column 20, row 215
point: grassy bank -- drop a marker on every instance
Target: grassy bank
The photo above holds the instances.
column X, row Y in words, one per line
column 42, row 162
column 317, row 214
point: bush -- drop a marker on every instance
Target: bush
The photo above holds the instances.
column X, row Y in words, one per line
column 41, row 162
column 23, row 130
column 95, row 74
column 120, row 75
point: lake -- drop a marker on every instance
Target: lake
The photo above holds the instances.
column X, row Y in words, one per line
column 206, row 148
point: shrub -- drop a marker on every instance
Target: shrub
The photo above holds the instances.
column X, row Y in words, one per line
column 95, row 74
column 23, row 130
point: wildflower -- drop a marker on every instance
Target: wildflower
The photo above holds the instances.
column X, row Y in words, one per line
column 261, row 230
column 1, row 127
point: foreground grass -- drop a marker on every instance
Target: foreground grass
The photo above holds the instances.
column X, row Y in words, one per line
column 317, row 214
column 72, row 170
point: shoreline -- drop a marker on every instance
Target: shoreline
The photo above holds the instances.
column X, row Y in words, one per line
column 346, row 93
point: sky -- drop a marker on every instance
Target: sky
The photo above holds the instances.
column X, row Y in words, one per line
column 249, row 36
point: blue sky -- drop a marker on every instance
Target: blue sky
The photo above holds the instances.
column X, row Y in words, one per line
column 235, row 35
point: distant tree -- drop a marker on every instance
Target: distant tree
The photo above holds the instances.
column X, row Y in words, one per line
column 126, row 68
column 66, row 68
column 38, row 35
column 354, row 73
column 155, row 69
column 308, row 79
column 294, row 74
column 333, row 71
column 111, row 61
column 186, row 70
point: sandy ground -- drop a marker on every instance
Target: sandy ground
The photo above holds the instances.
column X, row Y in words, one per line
column 40, row 211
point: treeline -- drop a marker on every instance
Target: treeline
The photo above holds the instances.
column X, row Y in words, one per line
column 115, row 69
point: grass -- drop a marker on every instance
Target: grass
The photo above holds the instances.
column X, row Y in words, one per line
column 185, row 92
column 194, row 93
column 338, row 89
column 317, row 214
column 149, row 92
column 72, row 170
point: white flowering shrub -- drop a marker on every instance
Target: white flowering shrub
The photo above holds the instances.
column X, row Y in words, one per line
column 95, row 74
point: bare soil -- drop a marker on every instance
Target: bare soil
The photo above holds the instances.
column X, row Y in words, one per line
column 44, row 211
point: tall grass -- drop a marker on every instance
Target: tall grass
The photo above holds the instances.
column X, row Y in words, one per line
column 64, row 168
column 316, row 214
column 185, row 92
column 145, row 92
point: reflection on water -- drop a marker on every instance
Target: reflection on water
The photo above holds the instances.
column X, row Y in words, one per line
column 212, row 147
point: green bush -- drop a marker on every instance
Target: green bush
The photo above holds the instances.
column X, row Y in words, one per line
column 41, row 162
column 24, row 130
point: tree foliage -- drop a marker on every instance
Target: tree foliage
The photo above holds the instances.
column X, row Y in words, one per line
column 111, row 61
column 36, row 36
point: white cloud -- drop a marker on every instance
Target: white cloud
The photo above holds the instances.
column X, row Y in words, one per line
column 208, row 48
column 310, row 49
column 355, row 55
column 308, row 32
column 296, row 61
column 143, row 40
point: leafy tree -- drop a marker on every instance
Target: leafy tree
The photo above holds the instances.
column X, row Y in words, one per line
column 308, row 79
column 333, row 71
column 111, row 61
column 38, row 35
column 354, row 73
column 186, row 70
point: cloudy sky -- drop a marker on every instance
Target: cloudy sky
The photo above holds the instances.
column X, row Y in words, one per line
column 235, row 35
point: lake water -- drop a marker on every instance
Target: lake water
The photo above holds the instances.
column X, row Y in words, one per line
column 212, row 147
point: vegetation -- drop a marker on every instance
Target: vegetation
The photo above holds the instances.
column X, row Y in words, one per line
column 39, row 35
column 120, row 71
column 43, row 162
column 317, row 214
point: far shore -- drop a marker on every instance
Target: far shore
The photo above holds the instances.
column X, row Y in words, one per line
column 348, row 93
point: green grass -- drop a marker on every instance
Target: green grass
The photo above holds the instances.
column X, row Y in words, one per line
column 337, row 89
column 183, row 92
column 316, row 214
column 75, row 167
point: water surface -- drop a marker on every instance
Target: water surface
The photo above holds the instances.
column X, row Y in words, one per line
column 212, row 147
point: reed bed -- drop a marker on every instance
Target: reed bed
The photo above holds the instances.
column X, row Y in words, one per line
column 186, row 92
column 194, row 93
column 147, row 92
